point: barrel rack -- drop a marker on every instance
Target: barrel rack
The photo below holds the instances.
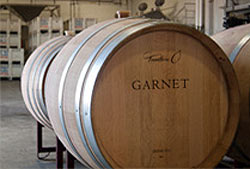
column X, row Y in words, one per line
column 59, row 149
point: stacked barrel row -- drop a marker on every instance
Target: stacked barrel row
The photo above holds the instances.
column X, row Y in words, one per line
column 137, row 93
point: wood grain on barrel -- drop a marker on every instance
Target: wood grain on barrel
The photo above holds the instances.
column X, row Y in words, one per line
column 146, row 123
column 162, row 98
column 240, row 150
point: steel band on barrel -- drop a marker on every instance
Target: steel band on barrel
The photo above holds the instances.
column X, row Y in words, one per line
column 27, row 89
column 61, row 87
column 86, row 113
column 238, row 48
column 42, row 70
column 46, row 56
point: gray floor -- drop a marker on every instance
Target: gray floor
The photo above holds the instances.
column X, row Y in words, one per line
column 18, row 132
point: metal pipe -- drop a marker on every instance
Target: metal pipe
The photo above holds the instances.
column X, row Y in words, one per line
column 211, row 17
column 199, row 14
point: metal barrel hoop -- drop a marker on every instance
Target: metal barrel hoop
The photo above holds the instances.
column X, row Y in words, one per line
column 27, row 89
column 61, row 87
column 43, row 67
column 238, row 48
column 79, row 91
column 42, row 71
column 41, row 78
column 233, row 57
column 46, row 53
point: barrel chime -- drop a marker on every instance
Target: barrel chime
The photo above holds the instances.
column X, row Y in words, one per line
column 142, row 93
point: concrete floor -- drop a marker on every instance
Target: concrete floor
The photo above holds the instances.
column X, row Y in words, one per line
column 18, row 132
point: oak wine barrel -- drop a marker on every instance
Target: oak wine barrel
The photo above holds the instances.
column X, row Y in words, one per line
column 34, row 75
column 230, row 38
column 141, row 93
column 236, row 41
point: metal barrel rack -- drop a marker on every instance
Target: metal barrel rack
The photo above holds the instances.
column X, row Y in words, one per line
column 59, row 149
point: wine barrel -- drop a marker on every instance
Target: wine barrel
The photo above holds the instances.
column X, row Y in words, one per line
column 140, row 93
column 230, row 38
column 237, row 42
column 33, row 77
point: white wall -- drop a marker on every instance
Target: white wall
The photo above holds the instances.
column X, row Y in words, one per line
column 214, row 16
column 101, row 11
column 219, row 14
